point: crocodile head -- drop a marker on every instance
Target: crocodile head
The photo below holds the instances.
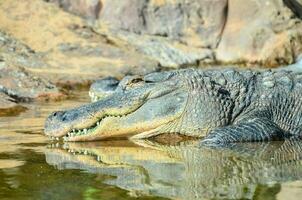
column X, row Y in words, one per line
column 142, row 106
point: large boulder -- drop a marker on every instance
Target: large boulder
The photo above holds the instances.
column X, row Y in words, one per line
column 89, row 9
column 18, row 86
column 266, row 32
column 196, row 23
column 22, row 86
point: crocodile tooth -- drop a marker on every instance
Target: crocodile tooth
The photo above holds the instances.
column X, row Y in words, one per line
column 65, row 146
column 57, row 138
column 85, row 131
column 98, row 158
column 65, row 138
column 85, row 152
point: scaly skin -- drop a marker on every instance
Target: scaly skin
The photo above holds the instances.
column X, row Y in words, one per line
column 224, row 106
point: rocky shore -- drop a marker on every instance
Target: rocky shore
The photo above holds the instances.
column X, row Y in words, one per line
column 47, row 45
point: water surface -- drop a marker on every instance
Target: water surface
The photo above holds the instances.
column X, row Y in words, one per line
column 32, row 167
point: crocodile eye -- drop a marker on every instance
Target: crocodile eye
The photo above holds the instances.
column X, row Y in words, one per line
column 136, row 80
column 134, row 83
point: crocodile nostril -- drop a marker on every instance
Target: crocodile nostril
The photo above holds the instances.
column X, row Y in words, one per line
column 55, row 114
column 64, row 118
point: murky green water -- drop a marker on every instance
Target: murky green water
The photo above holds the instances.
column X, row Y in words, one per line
column 32, row 167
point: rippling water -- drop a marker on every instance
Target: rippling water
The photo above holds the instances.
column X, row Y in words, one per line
column 32, row 167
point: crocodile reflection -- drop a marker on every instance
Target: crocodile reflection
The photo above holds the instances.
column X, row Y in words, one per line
column 185, row 171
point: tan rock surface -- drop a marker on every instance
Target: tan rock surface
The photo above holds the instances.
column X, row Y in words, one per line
column 265, row 32
column 86, row 8
column 196, row 23
column 71, row 51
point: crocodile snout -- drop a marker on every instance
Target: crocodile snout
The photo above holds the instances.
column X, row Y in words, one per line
column 53, row 124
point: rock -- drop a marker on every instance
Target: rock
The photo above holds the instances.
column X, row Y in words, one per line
column 196, row 23
column 15, row 81
column 264, row 32
column 8, row 107
column 295, row 6
column 22, row 86
column 17, row 54
column 89, row 9
column 181, row 40
column 16, row 84
column 267, row 33
column 71, row 52
column 168, row 53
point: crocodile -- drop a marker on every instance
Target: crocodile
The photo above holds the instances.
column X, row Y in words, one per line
column 220, row 106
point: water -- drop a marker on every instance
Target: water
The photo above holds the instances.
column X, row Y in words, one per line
column 32, row 167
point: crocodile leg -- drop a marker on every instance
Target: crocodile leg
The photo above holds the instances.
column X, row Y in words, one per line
column 253, row 130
